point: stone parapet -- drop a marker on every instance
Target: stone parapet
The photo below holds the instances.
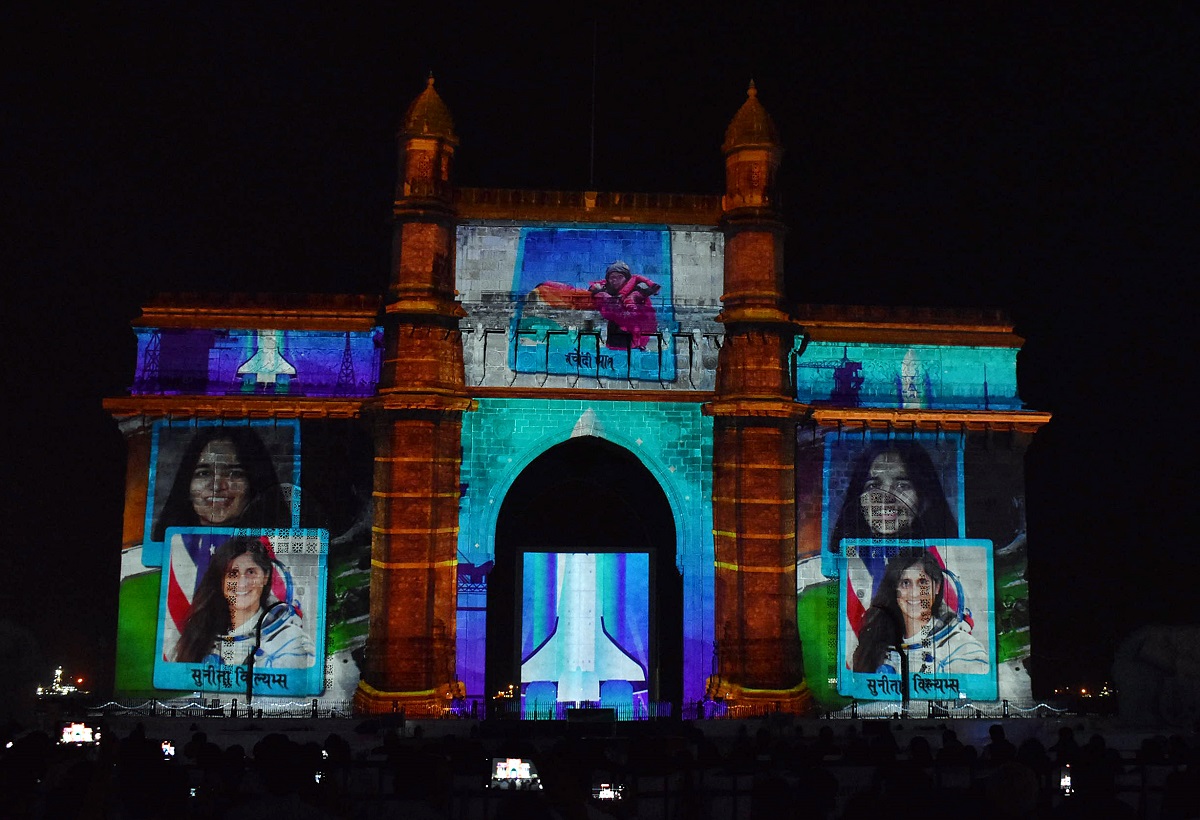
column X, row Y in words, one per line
column 587, row 206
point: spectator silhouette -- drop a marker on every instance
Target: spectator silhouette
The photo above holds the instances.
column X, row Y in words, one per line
column 1000, row 749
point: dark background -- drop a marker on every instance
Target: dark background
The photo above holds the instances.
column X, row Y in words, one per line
column 1031, row 159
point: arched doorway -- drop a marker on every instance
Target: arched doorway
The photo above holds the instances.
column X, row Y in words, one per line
column 586, row 495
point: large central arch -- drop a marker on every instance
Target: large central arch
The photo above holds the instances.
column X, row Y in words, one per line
column 586, row 495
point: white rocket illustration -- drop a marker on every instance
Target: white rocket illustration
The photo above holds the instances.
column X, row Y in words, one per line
column 913, row 394
column 267, row 363
column 579, row 654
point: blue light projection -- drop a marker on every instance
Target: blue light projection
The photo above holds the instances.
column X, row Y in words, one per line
column 585, row 619
column 218, row 362
column 595, row 302
column 922, row 377
column 673, row 440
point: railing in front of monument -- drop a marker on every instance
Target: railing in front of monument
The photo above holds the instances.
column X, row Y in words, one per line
column 513, row 709
column 232, row 708
column 460, row 709
column 918, row 709
column 582, row 711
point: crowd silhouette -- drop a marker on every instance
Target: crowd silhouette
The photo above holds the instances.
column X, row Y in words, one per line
column 768, row 769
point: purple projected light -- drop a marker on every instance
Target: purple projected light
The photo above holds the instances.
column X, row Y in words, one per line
column 199, row 361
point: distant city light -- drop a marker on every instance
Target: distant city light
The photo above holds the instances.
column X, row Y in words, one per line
column 59, row 688
column 1106, row 690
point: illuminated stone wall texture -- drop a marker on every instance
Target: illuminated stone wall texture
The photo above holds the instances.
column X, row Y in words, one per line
column 672, row 440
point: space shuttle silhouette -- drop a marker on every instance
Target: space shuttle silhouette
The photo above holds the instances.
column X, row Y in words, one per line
column 267, row 364
column 579, row 653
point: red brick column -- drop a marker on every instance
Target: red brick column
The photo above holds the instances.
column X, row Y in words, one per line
column 754, row 445
column 410, row 660
column 411, row 652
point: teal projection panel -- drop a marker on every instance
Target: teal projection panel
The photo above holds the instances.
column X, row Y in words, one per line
column 673, row 440
column 908, row 376
column 243, row 610
column 923, row 626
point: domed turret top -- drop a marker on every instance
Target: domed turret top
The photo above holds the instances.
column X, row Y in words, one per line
column 751, row 125
column 429, row 116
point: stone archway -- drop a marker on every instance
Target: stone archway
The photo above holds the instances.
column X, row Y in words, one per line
column 586, row 495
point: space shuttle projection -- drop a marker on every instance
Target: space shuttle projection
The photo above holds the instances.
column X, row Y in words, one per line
column 267, row 364
column 579, row 653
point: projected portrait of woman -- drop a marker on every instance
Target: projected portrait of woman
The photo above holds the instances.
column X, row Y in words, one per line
column 225, row 478
column 909, row 614
column 894, row 492
column 622, row 297
column 236, row 611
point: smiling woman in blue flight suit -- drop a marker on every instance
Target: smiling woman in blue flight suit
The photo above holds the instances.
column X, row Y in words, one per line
column 234, row 610
column 910, row 610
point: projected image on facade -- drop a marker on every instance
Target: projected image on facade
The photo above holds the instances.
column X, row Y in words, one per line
column 908, row 376
column 585, row 627
column 607, row 477
column 218, row 475
column 236, row 604
column 235, row 361
column 956, row 500
column 595, row 302
column 208, row 481
column 562, row 456
column 890, row 488
column 925, row 624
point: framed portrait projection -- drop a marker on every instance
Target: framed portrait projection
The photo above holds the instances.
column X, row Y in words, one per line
column 866, row 498
column 594, row 302
column 890, row 488
column 221, row 475
column 241, row 608
column 917, row 620
column 585, row 628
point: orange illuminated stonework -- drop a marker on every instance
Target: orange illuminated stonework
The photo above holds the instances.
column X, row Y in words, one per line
column 754, row 439
column 761, row 514
column 410, row 656
column 410, row 649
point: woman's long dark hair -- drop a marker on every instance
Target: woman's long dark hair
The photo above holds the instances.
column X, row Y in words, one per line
column 932, row 518
column 209, row 615
column 883, row 625
column 265, row 504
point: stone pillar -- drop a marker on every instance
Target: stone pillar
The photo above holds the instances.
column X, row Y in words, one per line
column 754, row 446
column 417, row 421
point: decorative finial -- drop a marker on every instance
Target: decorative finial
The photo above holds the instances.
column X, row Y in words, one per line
column 751, row 125
column 427, row 114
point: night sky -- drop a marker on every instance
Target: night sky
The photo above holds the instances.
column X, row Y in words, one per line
column 1028, row 159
